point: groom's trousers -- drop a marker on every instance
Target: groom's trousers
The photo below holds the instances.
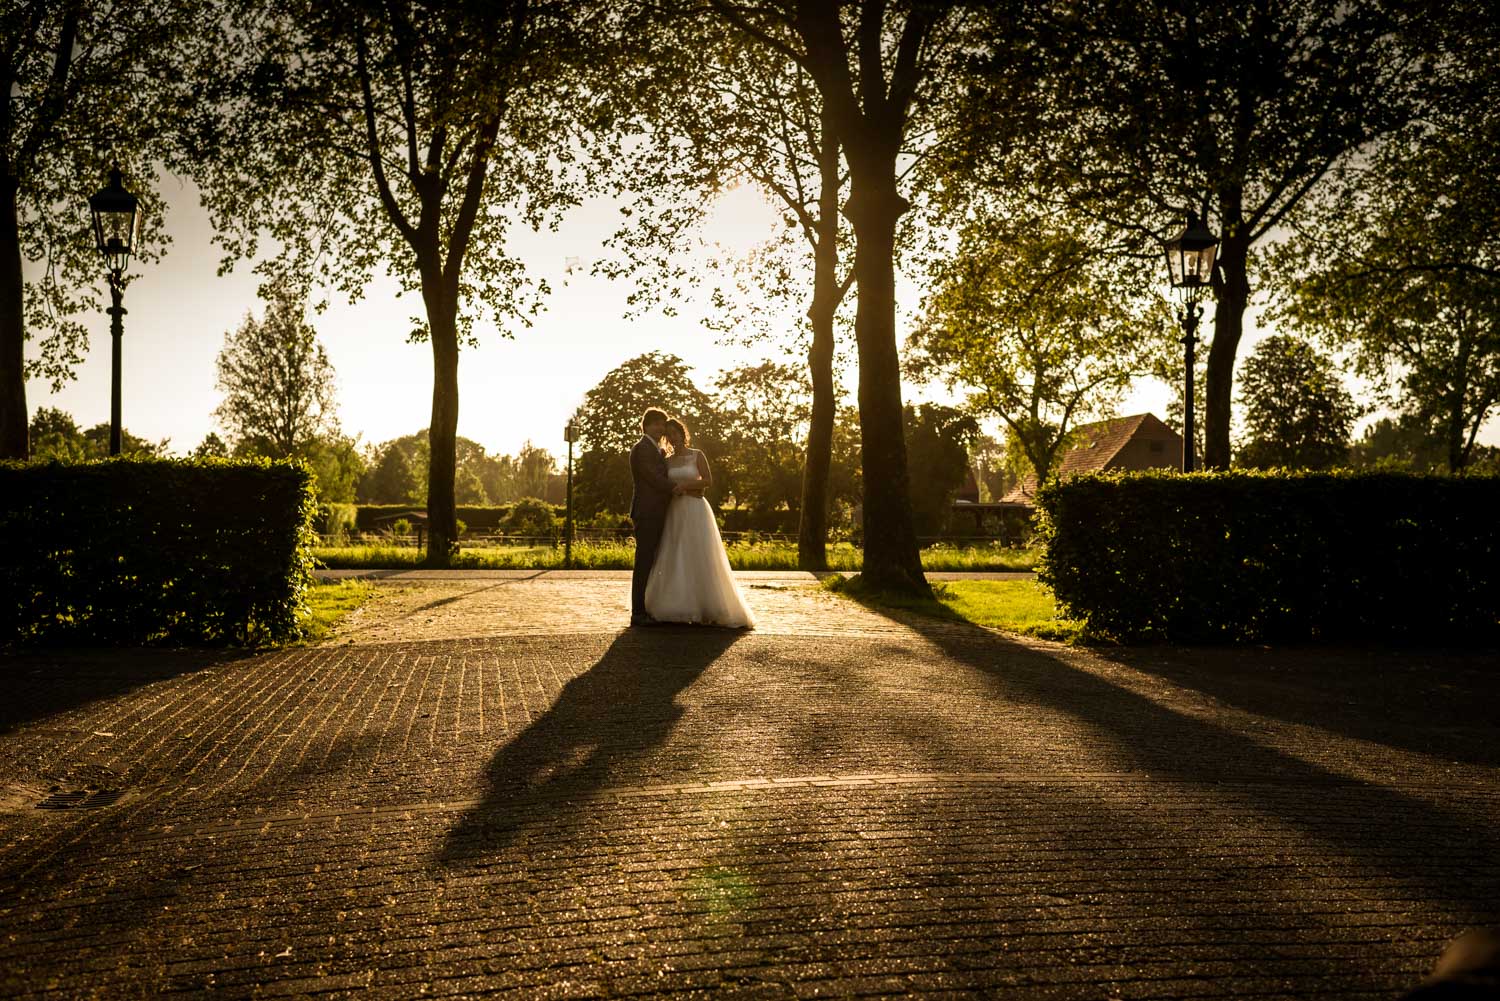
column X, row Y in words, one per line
column 647, row 539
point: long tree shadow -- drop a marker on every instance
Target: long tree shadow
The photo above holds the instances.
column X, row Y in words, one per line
column 620, row 708
column 1137, row 734
column 37, row 684
column 1435, row 702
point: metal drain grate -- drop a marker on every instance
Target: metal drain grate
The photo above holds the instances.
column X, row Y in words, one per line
column 81, row 800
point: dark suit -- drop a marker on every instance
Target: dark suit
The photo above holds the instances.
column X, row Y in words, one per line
column 648, row 513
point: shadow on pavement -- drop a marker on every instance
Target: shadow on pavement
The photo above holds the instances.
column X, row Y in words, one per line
column 1140, row 734
column 37, row 684
column 1435, row 702
column 621, row 707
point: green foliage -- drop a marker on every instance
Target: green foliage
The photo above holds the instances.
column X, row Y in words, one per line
column 1132, row 113
column 55, row 437
column 334, row 518
column 486, row 519
column 1398, row 262
column 337, row 466
column 530, row 516
column 86, row 83
column 1410, row 444
column 1298, row 415
column 131, row 551
column 407, row 139
column 277, row 382
column 937, row 441
column 395, row 472
column 1034, row 317
column 1260, row 557
column 212, row 447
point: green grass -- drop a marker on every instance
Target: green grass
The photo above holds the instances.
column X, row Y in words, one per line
column 621, row 555
column 327, row 604
column 1016, row 606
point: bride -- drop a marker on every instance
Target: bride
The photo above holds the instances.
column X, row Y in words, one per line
column 691, row 581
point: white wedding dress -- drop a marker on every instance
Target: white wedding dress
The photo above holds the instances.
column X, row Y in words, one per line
column 691, row 580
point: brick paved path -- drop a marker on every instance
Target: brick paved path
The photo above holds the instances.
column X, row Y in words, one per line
column 487, row 787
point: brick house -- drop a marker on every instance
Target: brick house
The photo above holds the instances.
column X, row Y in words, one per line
column 1132, row 443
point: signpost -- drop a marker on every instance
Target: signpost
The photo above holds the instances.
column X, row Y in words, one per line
column 569, row 434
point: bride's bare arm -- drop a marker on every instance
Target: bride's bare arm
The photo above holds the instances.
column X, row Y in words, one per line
column 705, row 477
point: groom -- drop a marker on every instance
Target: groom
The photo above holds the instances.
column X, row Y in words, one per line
column 653, row 491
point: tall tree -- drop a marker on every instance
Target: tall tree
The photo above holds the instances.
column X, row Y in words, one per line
column 1134, row 112
column 609, row 423
column 86, row 82
column 368, row 131
column 881, row 70
column 764, row 411
column 1040, row 324
column 277, row 382
column 725, row 112
column 1297, row 412
column 939, row 438
column 1399, row 261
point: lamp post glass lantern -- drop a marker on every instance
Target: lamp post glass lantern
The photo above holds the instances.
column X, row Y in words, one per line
column 115, row 220
column 1190, row 264
column 570, row 435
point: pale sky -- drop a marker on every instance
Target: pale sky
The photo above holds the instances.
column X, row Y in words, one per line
column 511, row 391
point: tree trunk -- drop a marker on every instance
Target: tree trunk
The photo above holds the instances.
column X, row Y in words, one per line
column 14, row 440
column 1455, row 431
column 812, row 529
column 442, row 432
column 1229, row 327
column 893, row 560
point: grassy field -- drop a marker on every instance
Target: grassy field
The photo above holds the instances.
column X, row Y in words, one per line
column 329, row 603
column 1016, row 606
column 620, row 556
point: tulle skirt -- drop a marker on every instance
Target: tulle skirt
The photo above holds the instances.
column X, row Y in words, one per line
column 691, row 580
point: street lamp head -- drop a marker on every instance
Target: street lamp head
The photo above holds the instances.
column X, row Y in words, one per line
column 570, row 433
column 1190, row 257
column 115, row 220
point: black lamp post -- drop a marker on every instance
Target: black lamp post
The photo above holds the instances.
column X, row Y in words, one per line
column 570, row 434
column 1190, row 261
column 114, row 211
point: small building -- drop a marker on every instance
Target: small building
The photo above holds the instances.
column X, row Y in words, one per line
column 1131, row 443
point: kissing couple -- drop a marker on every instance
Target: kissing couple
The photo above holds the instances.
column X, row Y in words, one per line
column 681, row 571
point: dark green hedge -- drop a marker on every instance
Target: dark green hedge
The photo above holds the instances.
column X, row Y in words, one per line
column 133, row 551
column 1242, row 557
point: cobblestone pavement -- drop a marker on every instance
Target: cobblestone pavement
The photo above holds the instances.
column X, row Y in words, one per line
column 485, row 786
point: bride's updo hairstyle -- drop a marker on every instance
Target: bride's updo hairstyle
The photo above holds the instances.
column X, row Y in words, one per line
column 676, row 425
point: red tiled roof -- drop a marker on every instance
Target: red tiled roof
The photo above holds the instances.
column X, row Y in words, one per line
column 1097, row 447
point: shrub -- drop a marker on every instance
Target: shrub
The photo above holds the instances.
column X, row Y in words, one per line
column 530, row 516
column 481, row 519
column 334, row 519
column 131, row 551
column 1237, row 557
column 401, row 527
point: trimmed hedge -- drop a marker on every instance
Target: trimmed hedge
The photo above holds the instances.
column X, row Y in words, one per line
column 1276, row 556
column 140, row 551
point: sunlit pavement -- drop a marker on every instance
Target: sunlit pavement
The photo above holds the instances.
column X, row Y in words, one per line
column 484, row 785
